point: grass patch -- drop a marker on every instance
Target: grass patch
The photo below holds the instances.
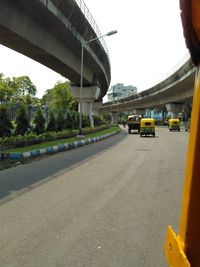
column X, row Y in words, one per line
column 61, row 141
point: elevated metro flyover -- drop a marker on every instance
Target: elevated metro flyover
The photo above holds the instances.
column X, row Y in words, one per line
column 171, row 92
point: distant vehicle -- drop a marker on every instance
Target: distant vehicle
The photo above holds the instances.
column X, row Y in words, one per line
column 147, row 127
column 133, row 123
column 174, row 125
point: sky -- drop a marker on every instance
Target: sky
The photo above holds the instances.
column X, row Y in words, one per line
column 147, row 48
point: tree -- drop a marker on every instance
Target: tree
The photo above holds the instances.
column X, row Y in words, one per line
column 60, row 97
column 17, row 89
column 24, row 86
column 22, row 122
column 5, row 123
column 6, row 90
column 39, row 122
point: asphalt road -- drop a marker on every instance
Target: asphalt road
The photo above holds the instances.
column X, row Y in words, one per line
column 104, row 205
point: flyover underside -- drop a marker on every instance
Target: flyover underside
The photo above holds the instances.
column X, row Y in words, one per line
column 31, row 37
column 40, row 54
column 40, row 31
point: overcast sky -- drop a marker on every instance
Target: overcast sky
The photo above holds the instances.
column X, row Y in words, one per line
column 148, row 45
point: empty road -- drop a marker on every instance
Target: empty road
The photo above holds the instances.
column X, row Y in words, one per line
column 103, row 205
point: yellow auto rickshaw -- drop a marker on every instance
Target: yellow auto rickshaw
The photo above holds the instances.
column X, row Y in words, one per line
column 174, row 125
column 147, row 127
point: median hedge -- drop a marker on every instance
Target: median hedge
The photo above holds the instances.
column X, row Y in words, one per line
column 32, row 138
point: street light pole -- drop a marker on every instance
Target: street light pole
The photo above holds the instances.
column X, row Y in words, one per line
column 81, row 78
column 81, row 87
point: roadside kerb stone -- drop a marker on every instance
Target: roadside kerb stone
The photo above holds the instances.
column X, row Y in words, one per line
column 55, row 149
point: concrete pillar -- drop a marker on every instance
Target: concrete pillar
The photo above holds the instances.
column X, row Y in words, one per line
column 174, row 109
column 87, row 96
column 87, row 109
column 114, row 117
column 187, row 109
column 95, row 107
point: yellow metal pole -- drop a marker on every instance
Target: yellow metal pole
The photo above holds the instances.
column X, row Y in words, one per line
column 183, row 250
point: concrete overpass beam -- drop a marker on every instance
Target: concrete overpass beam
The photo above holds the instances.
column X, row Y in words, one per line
column 174, row 109
column 87, row 96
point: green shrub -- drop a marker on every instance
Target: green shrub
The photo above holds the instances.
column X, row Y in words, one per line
column 60, row 122
column 22, row 122
column 106, row 118
column 39, row 122
column 72, row 120
column 51, row 125
column 5, row 123
column 33, row 138
column 98, row 120
column 85, row 121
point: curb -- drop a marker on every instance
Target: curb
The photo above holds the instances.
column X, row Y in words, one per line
column 55, row 149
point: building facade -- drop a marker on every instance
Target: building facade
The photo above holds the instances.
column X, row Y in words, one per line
column 119, row 91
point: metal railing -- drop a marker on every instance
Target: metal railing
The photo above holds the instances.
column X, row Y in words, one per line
column 92, row 22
